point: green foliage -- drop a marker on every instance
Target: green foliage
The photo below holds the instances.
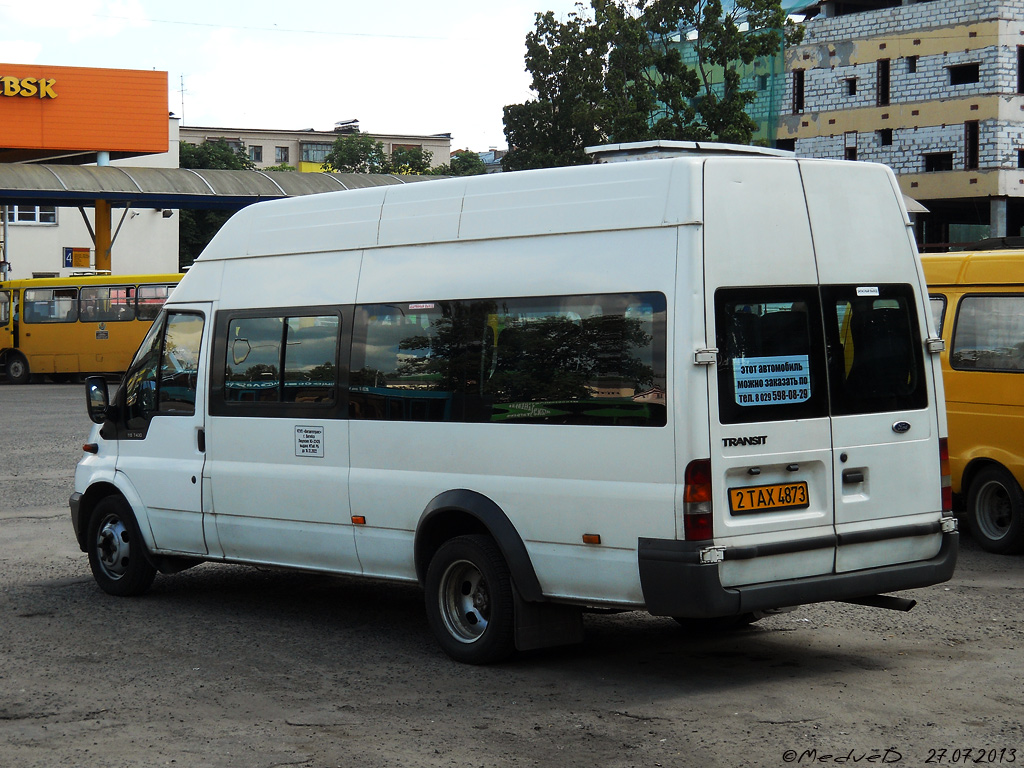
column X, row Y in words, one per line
column 214, row 155
column 617, row 73
column 464, row 162
column 197, row 227
column 282, row 167
column 356, row 153
column 361, row 153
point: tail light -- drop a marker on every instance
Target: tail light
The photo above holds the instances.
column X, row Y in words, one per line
column 697, row 522
column 947, row 481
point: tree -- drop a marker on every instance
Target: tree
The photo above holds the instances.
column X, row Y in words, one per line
column 465, row 162
column 361, row 153
column 636, row 70
column 197, row 227
column 356, row 153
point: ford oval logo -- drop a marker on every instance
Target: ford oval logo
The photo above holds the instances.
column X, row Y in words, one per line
column 900, row 427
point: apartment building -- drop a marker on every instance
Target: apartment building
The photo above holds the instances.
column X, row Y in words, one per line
column 932, row 88
column 306, row 149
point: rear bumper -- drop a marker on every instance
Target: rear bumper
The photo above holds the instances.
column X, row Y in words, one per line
column 676, row 583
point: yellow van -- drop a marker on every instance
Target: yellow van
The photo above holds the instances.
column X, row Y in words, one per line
column 977, row 301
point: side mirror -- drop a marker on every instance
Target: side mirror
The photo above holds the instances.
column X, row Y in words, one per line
column 97, row 398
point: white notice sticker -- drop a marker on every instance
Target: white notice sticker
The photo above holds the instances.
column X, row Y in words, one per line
column 309, row 441
column 867, row 290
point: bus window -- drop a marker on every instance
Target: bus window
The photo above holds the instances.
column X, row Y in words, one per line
column 150, row 299
column 5, row 307
column 51, row 305
column 107, row 304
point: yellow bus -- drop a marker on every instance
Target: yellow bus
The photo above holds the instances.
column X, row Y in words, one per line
column 977, row 301
column 65, row 326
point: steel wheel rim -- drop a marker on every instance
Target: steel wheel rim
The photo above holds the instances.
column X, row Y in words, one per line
column 465, row 601
column 994, row 510
column 113, row 548
column 16, row 368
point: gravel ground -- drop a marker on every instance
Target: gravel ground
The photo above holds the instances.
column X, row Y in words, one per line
column 229, row 666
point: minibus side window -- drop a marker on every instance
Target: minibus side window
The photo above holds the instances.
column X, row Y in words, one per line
column 937, row 304
column 770, row 355
column 875, row 349
column 989, row 334
column 5, row 307
column 259, row 349
column 162, row 379
column 595, row 360
column 51, row 305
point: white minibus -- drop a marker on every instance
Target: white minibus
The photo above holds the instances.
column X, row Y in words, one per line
column 704, row 386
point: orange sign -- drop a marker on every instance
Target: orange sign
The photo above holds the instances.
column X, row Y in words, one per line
column 46, row 110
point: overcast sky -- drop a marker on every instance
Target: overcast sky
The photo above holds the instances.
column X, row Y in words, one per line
column 397, row 66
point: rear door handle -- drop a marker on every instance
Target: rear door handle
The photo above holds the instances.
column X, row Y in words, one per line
column 852, row 476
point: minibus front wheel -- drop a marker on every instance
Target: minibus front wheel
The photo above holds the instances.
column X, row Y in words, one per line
column 17, row 368
column 995, row 508
column 469, row 600
column 116, row 551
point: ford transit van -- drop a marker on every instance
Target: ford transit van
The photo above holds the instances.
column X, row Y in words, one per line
column 704, row 386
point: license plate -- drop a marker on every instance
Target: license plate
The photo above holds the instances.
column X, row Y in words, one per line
column 759, row 498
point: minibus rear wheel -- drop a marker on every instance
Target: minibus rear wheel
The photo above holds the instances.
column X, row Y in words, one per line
column 469, row 600
column 995, row 510
column 116, row 550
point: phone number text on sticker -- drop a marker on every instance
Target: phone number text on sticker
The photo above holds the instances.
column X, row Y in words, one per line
column 760, row 498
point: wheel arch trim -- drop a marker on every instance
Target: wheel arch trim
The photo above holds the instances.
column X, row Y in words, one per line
column 119, row 483
column 494, row 521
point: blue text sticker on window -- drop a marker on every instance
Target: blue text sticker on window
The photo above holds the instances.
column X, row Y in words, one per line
column 772, row 380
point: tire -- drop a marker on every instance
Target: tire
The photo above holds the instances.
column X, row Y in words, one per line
column 717, row 623
column 17, row 368
column 469, row 600
column 116, row 550
column 995, row 511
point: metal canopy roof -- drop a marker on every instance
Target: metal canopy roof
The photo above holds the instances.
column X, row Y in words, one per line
column 80, row 185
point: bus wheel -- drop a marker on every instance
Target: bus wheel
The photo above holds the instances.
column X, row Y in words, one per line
column 469, row 600
column 995, row 511
column 116, row 550
column 17, row 368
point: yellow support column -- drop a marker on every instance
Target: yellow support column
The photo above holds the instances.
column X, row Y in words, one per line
column 102, row 225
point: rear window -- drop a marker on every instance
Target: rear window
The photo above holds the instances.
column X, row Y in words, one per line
column 771, row 355
column 792, row 353
column 875, row 349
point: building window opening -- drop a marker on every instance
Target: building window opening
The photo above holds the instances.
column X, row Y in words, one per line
column 256, row 154
column 911, row 65
column 972, row 130
column 315, row 153
column 798, row 91
column 962, row 74
column 885, row 137
column 1020, row 158
column 1020, row 69
column 938, row 161
column 31, row 214
column 280, row 155
column 882, row 83
column 851, row 86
